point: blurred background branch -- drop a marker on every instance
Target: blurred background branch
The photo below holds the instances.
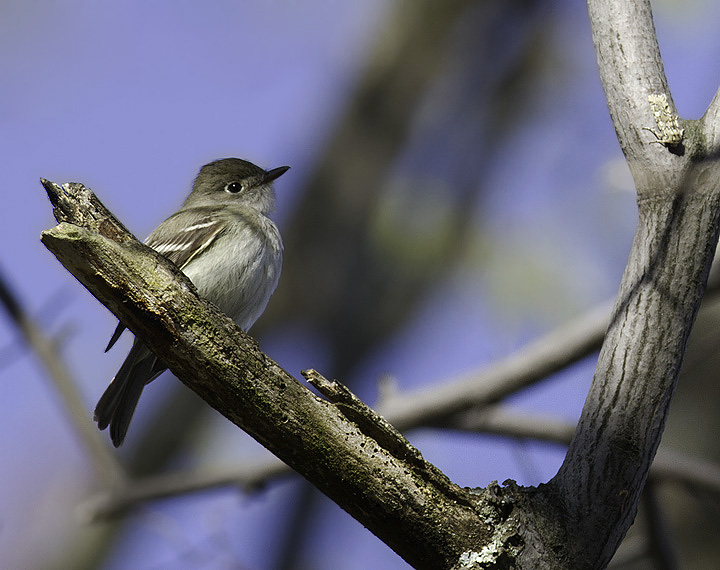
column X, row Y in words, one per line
column 107, row 467
column 496, row 420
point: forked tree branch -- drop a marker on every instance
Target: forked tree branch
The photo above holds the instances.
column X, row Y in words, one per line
column 678, row 184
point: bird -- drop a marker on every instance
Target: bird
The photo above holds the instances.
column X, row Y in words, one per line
column 224, row 241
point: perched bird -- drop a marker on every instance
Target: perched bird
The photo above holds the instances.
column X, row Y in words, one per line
column 223, row 240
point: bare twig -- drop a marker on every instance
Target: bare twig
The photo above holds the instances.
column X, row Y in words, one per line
column 249, row 476
column 500, row 420
column 668, row 466
column 550, row 353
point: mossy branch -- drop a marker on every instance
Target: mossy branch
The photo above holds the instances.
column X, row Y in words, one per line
column 404, row 500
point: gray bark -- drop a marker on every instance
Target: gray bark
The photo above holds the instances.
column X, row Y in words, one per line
column 677, row 181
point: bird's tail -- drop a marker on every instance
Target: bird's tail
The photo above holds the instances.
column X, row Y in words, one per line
column 117, row 404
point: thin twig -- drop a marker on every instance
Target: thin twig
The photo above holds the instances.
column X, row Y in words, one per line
column 550, row 353
column 250, row 476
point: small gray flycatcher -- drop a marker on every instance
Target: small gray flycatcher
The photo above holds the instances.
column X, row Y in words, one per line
column 222, row 239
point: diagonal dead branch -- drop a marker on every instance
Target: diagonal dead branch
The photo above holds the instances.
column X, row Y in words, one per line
column 409, row 504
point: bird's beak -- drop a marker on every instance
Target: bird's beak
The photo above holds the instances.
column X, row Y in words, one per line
column 271, row 175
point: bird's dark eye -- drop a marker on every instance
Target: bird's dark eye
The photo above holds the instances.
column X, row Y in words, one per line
column 234, row 187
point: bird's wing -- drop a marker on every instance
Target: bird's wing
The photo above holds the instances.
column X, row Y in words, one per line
column 198, row 229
